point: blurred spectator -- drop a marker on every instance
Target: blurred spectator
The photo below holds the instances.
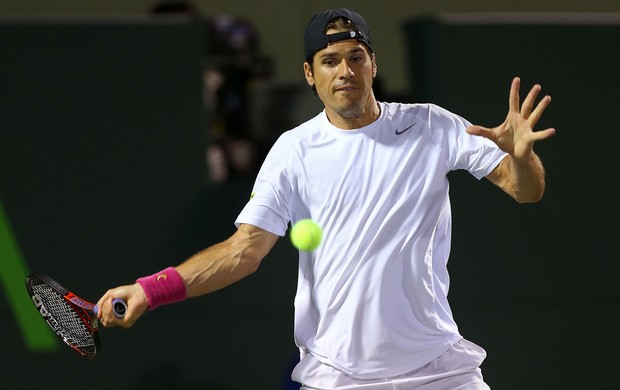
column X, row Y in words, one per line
column 233, row 62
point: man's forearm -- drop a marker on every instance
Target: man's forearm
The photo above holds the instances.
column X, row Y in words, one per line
column 227, row 262
column 526, row 181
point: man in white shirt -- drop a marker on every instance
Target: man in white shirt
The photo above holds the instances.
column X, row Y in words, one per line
column 371, row 309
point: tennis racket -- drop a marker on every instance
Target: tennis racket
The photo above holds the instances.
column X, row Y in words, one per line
column 72, row 318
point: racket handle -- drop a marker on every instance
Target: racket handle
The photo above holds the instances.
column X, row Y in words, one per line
column 119, row 307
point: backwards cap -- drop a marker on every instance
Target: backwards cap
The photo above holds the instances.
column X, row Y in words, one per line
column 315, row 38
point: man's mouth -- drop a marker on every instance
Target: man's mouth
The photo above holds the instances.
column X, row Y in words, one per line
column 345, row 88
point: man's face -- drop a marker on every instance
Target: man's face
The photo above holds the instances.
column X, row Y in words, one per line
column 342, row 74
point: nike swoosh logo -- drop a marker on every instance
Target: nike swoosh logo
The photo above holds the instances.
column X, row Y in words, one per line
column 405, row 129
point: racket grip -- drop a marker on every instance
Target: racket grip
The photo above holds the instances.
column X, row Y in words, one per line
column 119, row 307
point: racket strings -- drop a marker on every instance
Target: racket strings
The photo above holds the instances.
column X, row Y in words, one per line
column 70, row 325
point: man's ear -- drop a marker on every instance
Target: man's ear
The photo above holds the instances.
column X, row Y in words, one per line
column 308, row 74
column 374, row 65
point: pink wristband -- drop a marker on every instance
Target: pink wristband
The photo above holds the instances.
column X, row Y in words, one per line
column 163, row 288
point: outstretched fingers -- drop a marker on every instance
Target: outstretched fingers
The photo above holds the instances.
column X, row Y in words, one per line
column 518, row 128
column 543, row 134
column 513, row 101
column 528, row 103
column 538, row 111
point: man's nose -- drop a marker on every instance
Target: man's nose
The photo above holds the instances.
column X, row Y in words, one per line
column 345, row 69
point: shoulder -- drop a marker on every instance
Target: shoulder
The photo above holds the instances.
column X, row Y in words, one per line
column 426, row 112
column 429, row 118
column 398, row 110
column 307, row 130
column 289, row 143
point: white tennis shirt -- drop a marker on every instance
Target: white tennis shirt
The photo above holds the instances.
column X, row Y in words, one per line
column 372, row 299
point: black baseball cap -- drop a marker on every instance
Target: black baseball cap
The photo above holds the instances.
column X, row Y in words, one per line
column 315, row 38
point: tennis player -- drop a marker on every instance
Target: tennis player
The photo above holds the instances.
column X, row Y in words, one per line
column 371, row 309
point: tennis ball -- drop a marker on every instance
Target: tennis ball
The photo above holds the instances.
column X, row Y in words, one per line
column 306, row 235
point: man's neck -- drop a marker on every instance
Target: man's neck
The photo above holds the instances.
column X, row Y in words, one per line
column 364, row 117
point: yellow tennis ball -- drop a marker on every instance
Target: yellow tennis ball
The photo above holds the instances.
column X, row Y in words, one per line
column 306, row 235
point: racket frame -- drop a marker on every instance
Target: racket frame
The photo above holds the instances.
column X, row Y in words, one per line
column 80, row 306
